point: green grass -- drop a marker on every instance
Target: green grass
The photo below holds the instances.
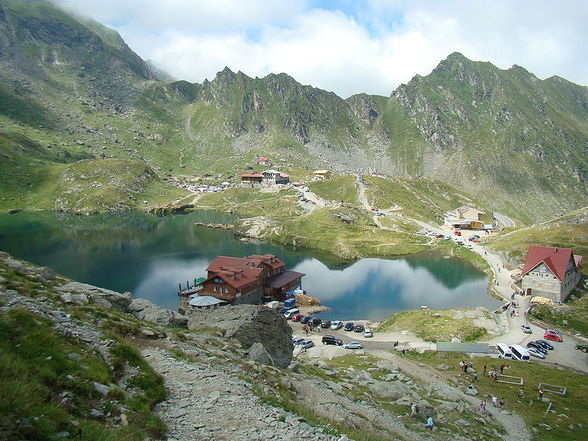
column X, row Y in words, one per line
column 571, row 316
column 533, row 411
column 423, row 199
column 339, row 188
column 431, row 325
column 344, row 231
column 243, row 201
column 96, row 186
column 35, row 370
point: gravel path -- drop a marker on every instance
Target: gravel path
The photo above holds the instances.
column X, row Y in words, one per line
column 205, row 403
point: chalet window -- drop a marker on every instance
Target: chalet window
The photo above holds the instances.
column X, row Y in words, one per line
column 215, row 288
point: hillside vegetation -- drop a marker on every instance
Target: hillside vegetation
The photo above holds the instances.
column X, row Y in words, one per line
column 71, row 89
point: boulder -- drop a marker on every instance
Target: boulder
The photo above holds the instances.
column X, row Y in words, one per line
column 387, row 365
column 115, row 299
column 257, row 352
column 250, row 324
column 391, row 391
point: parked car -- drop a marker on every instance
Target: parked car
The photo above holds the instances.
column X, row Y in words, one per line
column 332, row 340
column 545, row 344
column 553, row 331
column 457, row 233
column 583, row 348
column 552, row 336
column 535, row 353
column 349, row 326
column 353, row 345
column 367, row 333
column 326, row 324
column 526, row 329
column 297, row 317
column 307, row 344
column 337, row 324
column 315, row 321
column 297, row 340
column 358, row 328
column 537, row 347
column 305, row 319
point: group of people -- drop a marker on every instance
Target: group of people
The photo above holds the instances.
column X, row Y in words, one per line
column 414, row 411
column 463, row 366
column 495, row 403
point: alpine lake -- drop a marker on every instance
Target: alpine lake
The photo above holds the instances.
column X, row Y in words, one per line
column 150, row 255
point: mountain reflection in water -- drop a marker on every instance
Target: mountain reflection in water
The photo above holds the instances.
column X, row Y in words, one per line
column 149, row 255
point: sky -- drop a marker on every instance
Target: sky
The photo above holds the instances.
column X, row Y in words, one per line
column 348, row 46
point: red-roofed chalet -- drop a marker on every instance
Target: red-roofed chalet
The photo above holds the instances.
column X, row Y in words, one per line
column 551, row 272
column 248, row 279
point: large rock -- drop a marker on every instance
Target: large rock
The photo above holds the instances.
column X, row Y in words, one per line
column 98, row 295
column 145, row 310
column 392, row 391
column 260, row 354
column 250, row 324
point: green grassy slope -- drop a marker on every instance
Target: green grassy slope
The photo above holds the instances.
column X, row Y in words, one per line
column 424, row 199
column 339, row 188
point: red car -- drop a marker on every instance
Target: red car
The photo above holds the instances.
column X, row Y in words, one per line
column 457, row 233
column 552, row 336
column 297, row 318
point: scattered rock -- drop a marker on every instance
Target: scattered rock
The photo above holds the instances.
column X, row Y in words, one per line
column 102, row 389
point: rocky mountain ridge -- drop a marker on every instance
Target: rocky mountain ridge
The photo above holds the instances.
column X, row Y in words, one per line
column 71, row 89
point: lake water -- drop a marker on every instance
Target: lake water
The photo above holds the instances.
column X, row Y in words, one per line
column 149, row 255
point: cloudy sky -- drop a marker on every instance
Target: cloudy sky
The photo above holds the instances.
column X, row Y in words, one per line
column 348, row 46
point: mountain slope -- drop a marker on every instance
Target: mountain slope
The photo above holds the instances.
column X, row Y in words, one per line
column 74, row 90
column 503, row 133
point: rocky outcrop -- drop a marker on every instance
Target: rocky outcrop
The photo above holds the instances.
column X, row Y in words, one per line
column 145, row 310
column 250, row 324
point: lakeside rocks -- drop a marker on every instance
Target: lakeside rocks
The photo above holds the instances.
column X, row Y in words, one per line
column 250, row 324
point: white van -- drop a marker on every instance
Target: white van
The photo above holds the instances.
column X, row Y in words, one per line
column 291, row 313
column 520, row 353
column 504, row 351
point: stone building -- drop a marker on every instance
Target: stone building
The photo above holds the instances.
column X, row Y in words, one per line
column 551, row 272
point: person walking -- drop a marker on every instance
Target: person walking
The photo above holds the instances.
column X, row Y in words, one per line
column 540, row 394
column 413, row 410
column 484, row 374
column 475, row 376
column 430, row 423
column 494, row 401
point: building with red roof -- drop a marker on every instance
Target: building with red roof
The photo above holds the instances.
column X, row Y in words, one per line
column 248, row 279
column 551, row 272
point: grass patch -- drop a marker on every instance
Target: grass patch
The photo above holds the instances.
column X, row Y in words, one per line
column 571, row 316
column 424, row 199
column 532, row 410
column 36, row 374
column 340, row 188
column 243, row 201
column 431, row 325
column 345, row 231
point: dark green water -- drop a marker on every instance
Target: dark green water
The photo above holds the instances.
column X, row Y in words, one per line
column 149, row 255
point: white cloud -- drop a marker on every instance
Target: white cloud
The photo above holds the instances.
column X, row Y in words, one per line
column 370, row 48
